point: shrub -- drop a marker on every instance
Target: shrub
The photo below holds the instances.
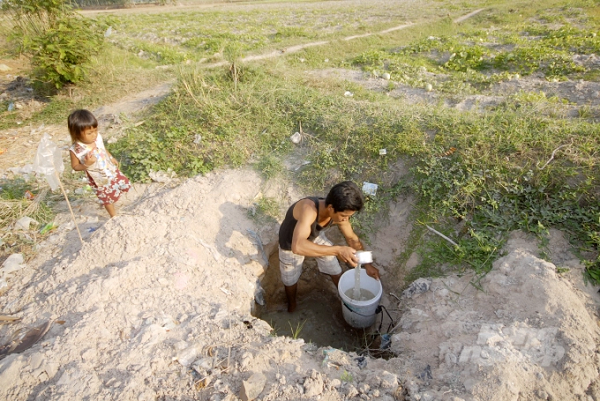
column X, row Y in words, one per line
column 58, row 41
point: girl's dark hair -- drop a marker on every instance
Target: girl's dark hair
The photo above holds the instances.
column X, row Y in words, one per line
column 78, row 121
column 345, row 196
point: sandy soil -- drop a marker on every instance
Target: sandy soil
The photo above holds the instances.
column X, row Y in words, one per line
column 157, row 304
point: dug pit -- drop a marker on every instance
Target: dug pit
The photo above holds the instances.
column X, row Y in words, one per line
column 319, row 317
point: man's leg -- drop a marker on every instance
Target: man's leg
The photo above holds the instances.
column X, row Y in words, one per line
column 335, row 278
column 290, row 293
column 290, row 268
column 329, row 265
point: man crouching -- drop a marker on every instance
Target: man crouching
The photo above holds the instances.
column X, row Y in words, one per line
column 301, row 234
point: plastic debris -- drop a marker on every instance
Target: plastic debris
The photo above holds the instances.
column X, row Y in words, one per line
column 417, row 287
column 296, row 138
column 197, row 139
column 382, row 152
column 24, row 222
column 48, row 227
column 29, row 195
column 23, row 342
column 13, row 263
column 162, row 176
column 426, row 374
column 48, row 161
column 108, row 32
column 386, row 341
column 348, row 94
column 11, row 106
column 361, row 361
column 259, row 295
column 369, row 188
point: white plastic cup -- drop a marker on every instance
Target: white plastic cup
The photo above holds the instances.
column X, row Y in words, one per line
column 364, row 257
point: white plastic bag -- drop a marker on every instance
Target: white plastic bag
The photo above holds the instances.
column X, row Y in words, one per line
column 48, row 161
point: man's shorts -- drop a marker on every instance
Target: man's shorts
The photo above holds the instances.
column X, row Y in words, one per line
column 290, row 264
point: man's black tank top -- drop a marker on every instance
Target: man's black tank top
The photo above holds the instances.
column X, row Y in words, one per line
column 286, row 231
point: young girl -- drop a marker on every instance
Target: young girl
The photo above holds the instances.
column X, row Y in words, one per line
column 89, row 154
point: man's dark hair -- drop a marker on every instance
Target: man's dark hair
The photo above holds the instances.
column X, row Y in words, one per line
column 78, row 121
column 345, row 196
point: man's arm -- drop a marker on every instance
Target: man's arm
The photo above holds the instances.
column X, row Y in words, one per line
column 354, row 242
column 305, row 213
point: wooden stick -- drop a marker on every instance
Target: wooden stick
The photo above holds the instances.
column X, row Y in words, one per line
column 551, row 157
column 69, row 204
column 441, row 235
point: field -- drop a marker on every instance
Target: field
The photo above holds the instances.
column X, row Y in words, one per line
column 495, row 115
column 477, row 120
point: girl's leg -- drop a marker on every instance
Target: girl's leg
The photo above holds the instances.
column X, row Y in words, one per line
column 110, row 208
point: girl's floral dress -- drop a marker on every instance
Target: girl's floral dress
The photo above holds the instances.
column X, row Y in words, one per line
column 104, row 176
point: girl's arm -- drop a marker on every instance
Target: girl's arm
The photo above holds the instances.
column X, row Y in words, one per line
column 76, row 164
column 112, row 158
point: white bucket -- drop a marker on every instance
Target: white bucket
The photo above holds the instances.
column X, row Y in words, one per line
column 359, row 314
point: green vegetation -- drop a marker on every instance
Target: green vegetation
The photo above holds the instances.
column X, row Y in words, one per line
column 58, row 41
column 524, row 163
column 297, row 330
column 472, row 61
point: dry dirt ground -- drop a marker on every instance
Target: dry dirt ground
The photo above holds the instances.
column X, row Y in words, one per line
column 157, row 304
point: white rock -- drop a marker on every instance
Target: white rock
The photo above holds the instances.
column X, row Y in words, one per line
column 296, row 138
column 24, row 222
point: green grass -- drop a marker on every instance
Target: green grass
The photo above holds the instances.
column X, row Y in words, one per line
column 501, row 175
column 200, row 34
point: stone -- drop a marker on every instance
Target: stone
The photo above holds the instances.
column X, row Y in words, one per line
column 313, row 385
column 388, row 380
column 351, row 391
column 252, row 387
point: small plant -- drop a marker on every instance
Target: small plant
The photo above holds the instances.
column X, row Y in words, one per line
column 297, row 330
column 346, row 377
column 233, row 54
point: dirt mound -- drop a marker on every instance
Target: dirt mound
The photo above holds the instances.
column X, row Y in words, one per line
column 157, row 304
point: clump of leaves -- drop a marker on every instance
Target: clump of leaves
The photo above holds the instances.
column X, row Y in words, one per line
column 58, row 41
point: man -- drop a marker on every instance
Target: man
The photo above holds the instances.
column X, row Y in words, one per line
column 301, row 234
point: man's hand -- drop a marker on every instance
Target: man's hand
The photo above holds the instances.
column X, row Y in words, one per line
column 346, row 254
column 372, row 271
